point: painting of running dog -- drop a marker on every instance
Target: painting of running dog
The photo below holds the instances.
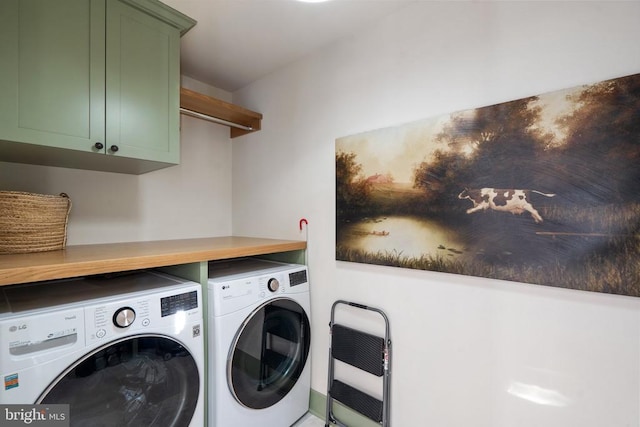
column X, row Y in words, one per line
column 542, row 190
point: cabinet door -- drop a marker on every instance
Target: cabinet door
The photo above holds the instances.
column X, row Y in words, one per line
column 142, row 84
column 52, row 72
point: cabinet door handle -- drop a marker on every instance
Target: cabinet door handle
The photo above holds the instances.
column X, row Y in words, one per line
column 98, row 145
column 114, row 148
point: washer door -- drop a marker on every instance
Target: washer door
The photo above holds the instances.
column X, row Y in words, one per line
column 138, row 381
column 268, row 354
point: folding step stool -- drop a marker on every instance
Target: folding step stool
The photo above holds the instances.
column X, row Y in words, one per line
column 364, row 351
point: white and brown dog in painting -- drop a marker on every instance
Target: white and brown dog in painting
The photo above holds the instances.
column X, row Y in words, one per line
column 503, row 200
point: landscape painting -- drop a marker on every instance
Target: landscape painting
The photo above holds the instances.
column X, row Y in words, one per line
column 542, row 190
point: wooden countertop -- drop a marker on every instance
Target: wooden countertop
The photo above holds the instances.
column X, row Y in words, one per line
column 82, row 260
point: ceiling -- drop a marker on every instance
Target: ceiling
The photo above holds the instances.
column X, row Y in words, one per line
column 236, row 42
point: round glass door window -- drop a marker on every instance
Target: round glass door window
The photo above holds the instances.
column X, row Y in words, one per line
column 139, row 381
column 269, row 353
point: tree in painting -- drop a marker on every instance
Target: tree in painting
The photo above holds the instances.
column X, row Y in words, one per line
column 541, row 190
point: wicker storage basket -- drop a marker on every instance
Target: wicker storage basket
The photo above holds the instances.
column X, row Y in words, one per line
column 32, row 222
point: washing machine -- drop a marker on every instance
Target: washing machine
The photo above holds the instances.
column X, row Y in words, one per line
column 123, row 350
column 259, row 338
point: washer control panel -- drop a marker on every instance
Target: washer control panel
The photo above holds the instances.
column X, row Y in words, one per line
column 124, row 317
column 273, row 284
column 69, row 314
column 179, row 302
column 137, row 313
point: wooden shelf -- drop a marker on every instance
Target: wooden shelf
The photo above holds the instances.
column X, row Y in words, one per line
column 83, row 260
column 217, row 108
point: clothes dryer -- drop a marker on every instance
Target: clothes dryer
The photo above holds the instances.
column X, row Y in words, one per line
column 259, row 337
column 121, row 351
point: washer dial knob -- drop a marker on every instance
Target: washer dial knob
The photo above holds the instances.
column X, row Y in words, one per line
column 124, row 317
column 273, row 284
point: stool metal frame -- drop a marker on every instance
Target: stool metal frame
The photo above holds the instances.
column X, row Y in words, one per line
column 364, row 351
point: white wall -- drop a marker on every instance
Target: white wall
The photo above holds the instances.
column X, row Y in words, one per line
column 192, row 199
column 467, row 351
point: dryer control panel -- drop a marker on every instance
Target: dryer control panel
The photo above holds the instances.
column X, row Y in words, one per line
column 236, row 291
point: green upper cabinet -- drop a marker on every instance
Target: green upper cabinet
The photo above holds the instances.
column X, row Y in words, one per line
column 143, row 85
column 52, row 73
column 90, row 84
